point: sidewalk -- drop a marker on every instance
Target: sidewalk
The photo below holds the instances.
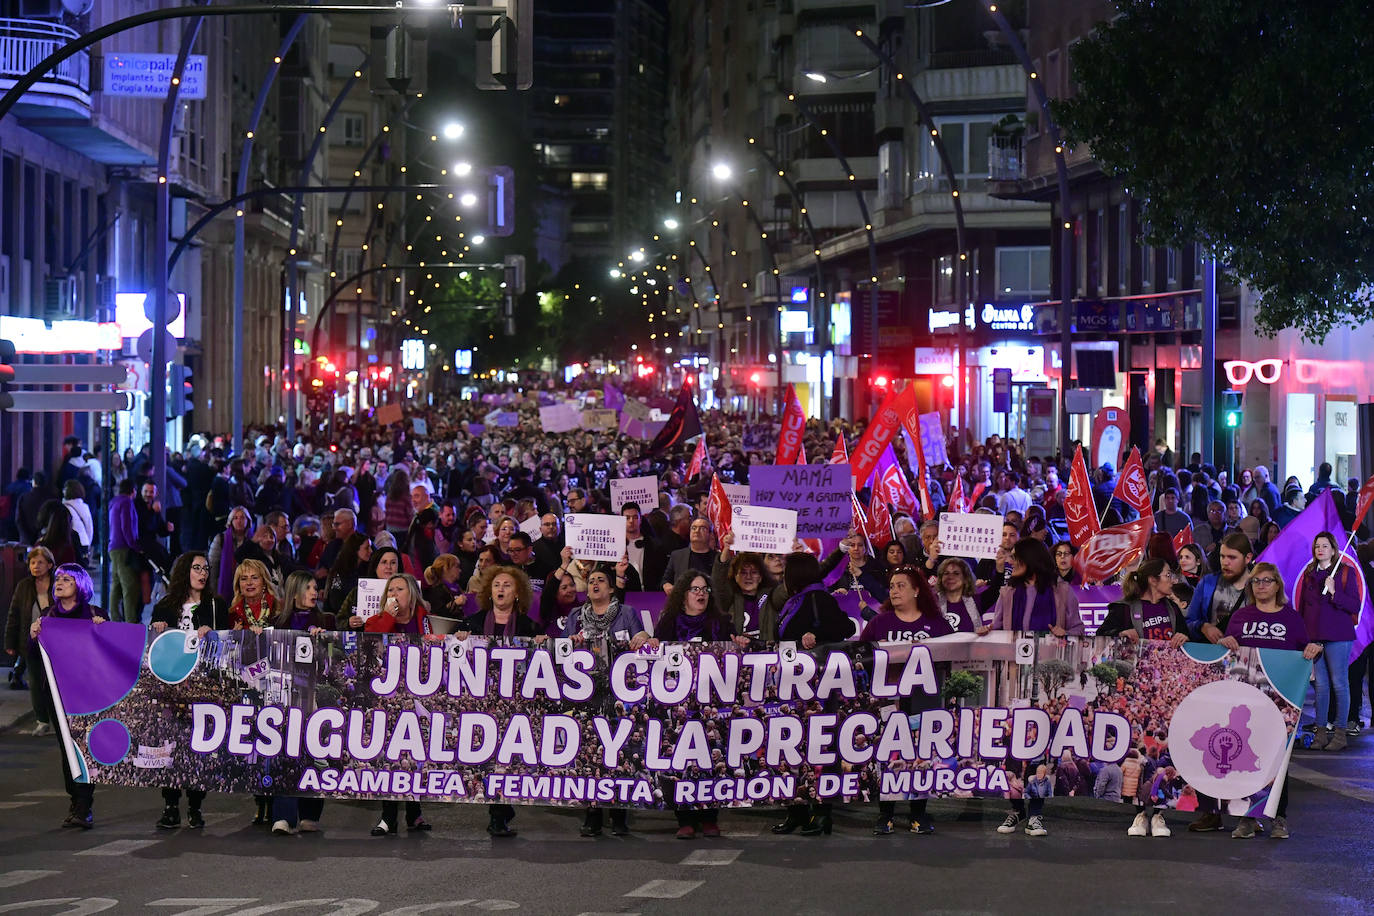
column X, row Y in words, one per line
column 16, row 712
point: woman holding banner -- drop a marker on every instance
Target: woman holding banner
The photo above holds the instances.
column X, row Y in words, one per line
column 691, row 616
column 955, row 597
column 504, row 597
column 810, row 617
column 300, row 610
column 1328, row 598
column 1037, row 599
column 1255, row 625
column 864, row 573
column 190, row 604
column 746, row 592
column 602, row 619
column 71, row 593
column 403, row 611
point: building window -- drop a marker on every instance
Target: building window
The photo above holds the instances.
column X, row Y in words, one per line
column 944, row 278
column 353, row 127
column 966, row 144
column 1171, row 267
column 1147, row 268
column 1023, row 272
column 590, row 181
column 1123, row 249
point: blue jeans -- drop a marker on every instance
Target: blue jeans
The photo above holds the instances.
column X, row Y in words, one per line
column 1333, row 673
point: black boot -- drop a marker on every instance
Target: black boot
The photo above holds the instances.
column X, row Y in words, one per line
column 171, row 818
column 819, row 823
column 500, row 827
column 796, row 816
column 620, row 822
column 264, row 810
column 591, row 824
column 194, row 820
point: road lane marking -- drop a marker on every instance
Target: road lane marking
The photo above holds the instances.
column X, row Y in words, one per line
column 43, row 793
column 118, row 848
column 712, row 857
column 24, row 876
column 11, row 805
column 659, row 889
column 1331, row 783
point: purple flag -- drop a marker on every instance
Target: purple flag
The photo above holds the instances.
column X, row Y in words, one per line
column 1291, row 551
column 614, row 398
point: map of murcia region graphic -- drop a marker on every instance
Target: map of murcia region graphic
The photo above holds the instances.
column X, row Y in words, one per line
column 1226, row 748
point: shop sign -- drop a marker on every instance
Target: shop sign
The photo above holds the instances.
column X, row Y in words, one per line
column 1004, row 317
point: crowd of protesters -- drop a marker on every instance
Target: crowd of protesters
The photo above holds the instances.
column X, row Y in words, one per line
column 462, row 519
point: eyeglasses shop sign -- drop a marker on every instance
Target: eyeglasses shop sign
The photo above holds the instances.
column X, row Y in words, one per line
column 150, row 75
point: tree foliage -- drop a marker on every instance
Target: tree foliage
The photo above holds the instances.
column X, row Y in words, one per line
column 1105, row 674
column 1244, row 126
column 1053, row 674
column 962, row 685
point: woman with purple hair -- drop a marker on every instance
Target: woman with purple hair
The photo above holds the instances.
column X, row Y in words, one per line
column 71, row 600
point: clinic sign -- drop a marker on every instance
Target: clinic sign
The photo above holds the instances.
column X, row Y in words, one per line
column 148, row 76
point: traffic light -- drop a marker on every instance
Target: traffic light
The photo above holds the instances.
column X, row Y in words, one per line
column 7, row 356
column 179, row 397
column 880, row 380
column 1230, row 409
column 505, row 47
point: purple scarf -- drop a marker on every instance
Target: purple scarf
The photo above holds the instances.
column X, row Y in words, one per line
column 489, row 624
column 789, row 610
column 226, row 561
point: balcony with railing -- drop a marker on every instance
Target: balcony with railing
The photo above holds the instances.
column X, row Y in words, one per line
column 64, row 92
column 1006, row 157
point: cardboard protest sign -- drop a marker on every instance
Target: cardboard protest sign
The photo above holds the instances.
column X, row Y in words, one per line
column 635, row 409
column 759, row 529
column 598, row 418
column 820, row 494
column 369, row 597
column 641, row 490
column 595, row 537
column 975, row 536
column 388, row 414
column 419, row 426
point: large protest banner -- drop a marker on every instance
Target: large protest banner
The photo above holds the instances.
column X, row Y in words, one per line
column 349, row 715
column 818, row 492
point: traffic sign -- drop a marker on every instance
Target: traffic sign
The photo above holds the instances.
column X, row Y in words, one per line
column 68, row 401
column 115, row 374
column 144, row 347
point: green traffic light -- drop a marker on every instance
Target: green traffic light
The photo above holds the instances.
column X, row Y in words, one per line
column 1233, row 419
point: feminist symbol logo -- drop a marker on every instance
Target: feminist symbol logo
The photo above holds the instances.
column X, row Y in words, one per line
column 1223, row 746
column 1226, row 748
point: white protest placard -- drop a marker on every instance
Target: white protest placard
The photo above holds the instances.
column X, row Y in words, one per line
column 635, row 409
column 738, row 494
column 759, row 529
column 369, row 602
column 641, row 490
column 531, row 527
column 558, row 419
column 975, row 536
column 595, row 537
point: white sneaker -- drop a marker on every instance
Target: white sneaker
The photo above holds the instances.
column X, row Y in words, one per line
column 1140, row 826
column 1009, row 825
column 1036, row 827
column 282, row 828
column 1158, row 827
column 42, row 729
column 308, row 826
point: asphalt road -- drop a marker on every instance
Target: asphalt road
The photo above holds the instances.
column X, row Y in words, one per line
column 1086, row 864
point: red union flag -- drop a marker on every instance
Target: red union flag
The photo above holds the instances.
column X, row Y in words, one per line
column 1184, row 538
column 1131, row 486
column 718, row 508
column 878, row 436
column 1111, row 549
column 1366, row 498
column 793, row 428
column 1079, row 511
column 699, row 459
column 956, row 499
column 890, row 485
column 879, row 527
column 841, row 453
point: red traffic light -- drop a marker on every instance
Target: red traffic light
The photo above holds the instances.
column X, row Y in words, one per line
column 880, row 381
column 756, row 377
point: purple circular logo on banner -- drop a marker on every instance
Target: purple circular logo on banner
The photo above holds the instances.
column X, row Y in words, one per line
column 108, row 741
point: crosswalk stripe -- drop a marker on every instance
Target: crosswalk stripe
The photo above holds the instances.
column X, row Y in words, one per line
column 660, row 889
column 1331, row 783
column 712, row 857
column 117, row 848
column 43, row 793
column 24, row 876
column 11, row 805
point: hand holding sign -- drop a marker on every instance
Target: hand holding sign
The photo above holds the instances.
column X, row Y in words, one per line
column 600, row 538
column 759, row 529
